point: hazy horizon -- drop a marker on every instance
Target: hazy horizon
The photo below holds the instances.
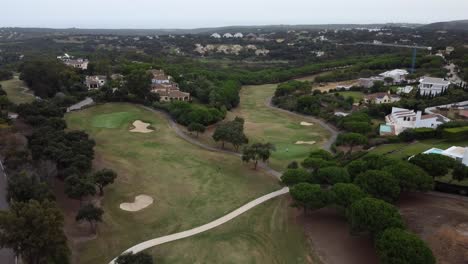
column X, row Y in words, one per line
column 184, row 14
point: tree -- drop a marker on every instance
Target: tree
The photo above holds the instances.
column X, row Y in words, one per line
column 78, row 187
column 309, row 196
column 373, row 215
column 196, row 127
column 389, row 80
column 322, row 154
column 460, row 172
column 138, row 83
column 356, row 167
column 332, row 175
column 399, row 246
column 91, row 214
column 351, row 140
column 23, row 187
column 379, row 184
column 232, row 132
column 410, row 176
column 137, row 258
column 256, row 152
column 314, row 163
column 103, row 178
column 294, row 176
column 434, row 164
column 34, row 231
column 344, row 194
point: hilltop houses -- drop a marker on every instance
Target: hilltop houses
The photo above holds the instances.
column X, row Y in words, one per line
column 168, row 90
column 215, row 35
column 95, row 81
column 401, row 119
column 75, row 63
column 432, row 86
column 228, row 35
column 238, row 35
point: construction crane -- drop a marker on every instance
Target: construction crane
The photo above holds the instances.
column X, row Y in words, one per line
column 414, row 47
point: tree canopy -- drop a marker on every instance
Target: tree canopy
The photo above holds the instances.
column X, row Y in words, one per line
column 309, row 196
column 379, row 184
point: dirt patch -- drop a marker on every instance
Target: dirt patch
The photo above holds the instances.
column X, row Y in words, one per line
column 330, row 238
column 141, row 202
column 305, row 142
column 303, row 123
column 442, row 222
column 332, row 85
column 141, row 127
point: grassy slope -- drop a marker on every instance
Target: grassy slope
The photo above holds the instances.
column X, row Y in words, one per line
column 14, row 88
column 190, row 186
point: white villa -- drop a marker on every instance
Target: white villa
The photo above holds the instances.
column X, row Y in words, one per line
column 95, row 81
column 228, row 35
column 432, row 86
column 238, row 35
column 398, row 75
column 458, row 153
column 216, row 35
column 405, row 90
column 401, row 119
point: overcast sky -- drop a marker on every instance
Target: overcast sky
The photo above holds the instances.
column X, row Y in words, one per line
column 209, row 13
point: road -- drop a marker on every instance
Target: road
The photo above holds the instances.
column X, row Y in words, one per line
column 6, row 255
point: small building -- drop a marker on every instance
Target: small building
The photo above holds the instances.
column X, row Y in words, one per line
column 459, row 154
column 449, row 49
column 238, row 35
column 401, row 119
column 381, row 98
column 159, row 77
column 77, row 64
column 95, row 81
column 404, row 90
column 432, row 86
column 228, row 35
column 215, row 35
column 398, row 75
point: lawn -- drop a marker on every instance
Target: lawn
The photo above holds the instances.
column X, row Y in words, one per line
column 357, row 96
column 15, row 91
column 404, row 150
column 263, row 124
column 190, row 187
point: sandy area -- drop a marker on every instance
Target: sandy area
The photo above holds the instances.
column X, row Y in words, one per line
column 332, row 85
column 305, row 142
column 141, row 201
column 303, row 123
column 141, row 127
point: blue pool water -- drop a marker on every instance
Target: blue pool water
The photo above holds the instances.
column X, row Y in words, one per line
column 434, row 151
column 385, row 129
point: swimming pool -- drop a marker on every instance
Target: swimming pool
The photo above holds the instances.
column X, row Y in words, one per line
column 434, row 151
column 385, row 129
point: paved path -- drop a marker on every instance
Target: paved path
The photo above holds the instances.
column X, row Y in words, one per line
column 333, row 131
column 197, row 230
column 6, row 255
column 78, row 106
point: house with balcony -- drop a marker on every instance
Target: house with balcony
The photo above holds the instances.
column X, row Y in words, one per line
column 401, row 119
column 429, row 86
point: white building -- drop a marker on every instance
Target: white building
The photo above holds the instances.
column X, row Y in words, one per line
column 458, row 153
column 404, row 90
column 95, row 81
column 432, row 86
column 401, row 119
column 228, row 35
column 398, row 75
column 215, row 35
column 238, row 35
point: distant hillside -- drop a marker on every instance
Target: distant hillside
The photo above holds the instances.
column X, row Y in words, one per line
column 450, row 25
column 38, row 32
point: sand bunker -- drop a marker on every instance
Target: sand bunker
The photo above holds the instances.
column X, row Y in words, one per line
column 305, row 142
column 141, row 201
column 303, row 123
column 141, row 127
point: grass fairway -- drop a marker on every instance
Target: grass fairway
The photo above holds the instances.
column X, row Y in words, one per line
column 264, row 124
column 15, row 91
column 257, row 233
column 190, row 187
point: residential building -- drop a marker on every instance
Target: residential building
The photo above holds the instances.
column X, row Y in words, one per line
column 404, row 90
column 238, row 35
column 75, row 63
column 458, row 153
column 216, row 35
column 228, row 35
column 170, row 92
column 381, row 98
column 398, row 75
column 401, row 119
column 432, row 86
column 159, row 77
column 95, row 81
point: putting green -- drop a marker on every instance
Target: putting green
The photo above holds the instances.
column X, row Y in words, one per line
column 113, row 120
